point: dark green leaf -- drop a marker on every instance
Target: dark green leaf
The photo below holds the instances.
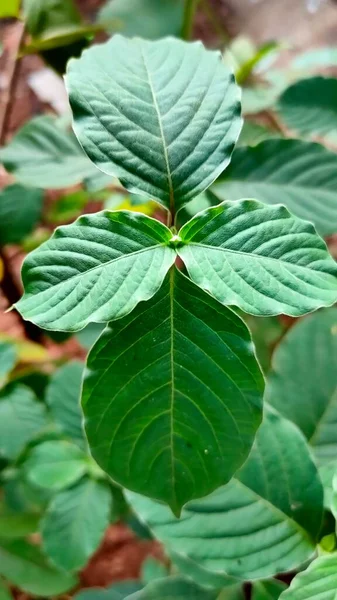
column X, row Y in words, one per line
column 260, row 258
column 172, row 395
column 268, row 590
column 161, row 116
column 20, row 209
column 263, row 522
column 55, row 464
column 63, row 399
column 5, row 593
column 301, row 175
column 96, row 269
column 319, row 580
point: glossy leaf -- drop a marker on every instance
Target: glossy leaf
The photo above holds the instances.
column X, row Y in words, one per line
column 96, row 269
column 8, row 358
column 25, row 566
column 75, row 522
column 302, row 384
column 42, row 154
column 309, row 106
column 319, row 580
column 268, row 590
column 301, row 175
column 22, row 417
column 173, row 588
column 157, row 19
column 161, row 116
column 118, row 591
column 264, row 521
column 63, row 399
column 172, row 395
column 20, row 209
column 54, row 465
column 260, row 258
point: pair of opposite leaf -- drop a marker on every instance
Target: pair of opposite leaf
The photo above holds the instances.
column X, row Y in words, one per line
column 173, row 393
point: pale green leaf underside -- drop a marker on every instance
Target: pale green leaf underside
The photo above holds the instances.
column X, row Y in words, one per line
column 319, row 580
column 74, row 523
column 95, row 270
column 259, row 258
column 263, row 522
column 55, row 465
column 309, row 107
column 173, row 588
column 172, row 395
column 22, row 417
column 301, row 175
column 302, row 384
column 161, row 116
column 63, row 399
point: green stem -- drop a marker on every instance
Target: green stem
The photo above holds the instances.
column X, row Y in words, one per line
column 190, row 8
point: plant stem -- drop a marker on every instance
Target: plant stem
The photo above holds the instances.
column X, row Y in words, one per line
column 190, row 8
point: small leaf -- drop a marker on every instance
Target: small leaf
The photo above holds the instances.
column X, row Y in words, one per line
column 15, row 224
column 173, row 588
column 268, row 590
column 96, row 269
column 18, row 525
column 25, row 566
column 161, row 116
column 301, row 175
column 309, row 107
column 319, row 580
column 158, row 19
column 75, row 522
column 263, row 522
column 42, row 154
column 259, row 258
column 63, row 399
column 21, row 419
column 172, row 395
column 118, row 591
column 54, row 465
column 8, row 359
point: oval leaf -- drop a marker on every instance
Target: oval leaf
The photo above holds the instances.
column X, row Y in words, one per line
column 259, row 258
column 264, row 521
column 96, row 269
column 63, row 399
column 75, row 522
column 161, row 116
column 55, row 464
column 301, row 175
column 172, row 396
column 319, row 580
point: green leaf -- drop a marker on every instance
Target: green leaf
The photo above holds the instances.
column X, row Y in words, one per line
column 260, row 258
column 157, row 19
column 167, row 394
column 301, row 175
column 302, row 384
column 316, row 58
column 309, row 106
column 252, row 134
column 8, row 359
column 75, row 522
column 9, row 8
column 161, row 116
column 88, row 336
column 68, row 207
column 54, row 465
column 118, row 591
column 16, row 526
column 63, row 399
column 173, row 588
column 20, row 209
column 21, row 419
column 264, row 521
column 96, row 269
column 152, row 569
column 42, row 154
column 5, row 593
column 42, row 16
column 319, row 580
column 268, row 590
column 25, row 566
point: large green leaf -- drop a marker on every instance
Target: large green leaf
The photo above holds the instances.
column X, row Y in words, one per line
column 25, row 566
column 309, row 106
column 21, row 419
column 260, row 258
column 20, row 209
column 172, row 395
column 173, row 588
column 118, row 591
column 75, row 522
column 149, row 19
column 264, row 521
column 318, row 581
column 268, row 590
column 55, row 464
column 63, row 399
column 161, row 116
column 96, row 269
column 301, row 175
column 302, row 384
column 42, row 154
column 8, row 358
